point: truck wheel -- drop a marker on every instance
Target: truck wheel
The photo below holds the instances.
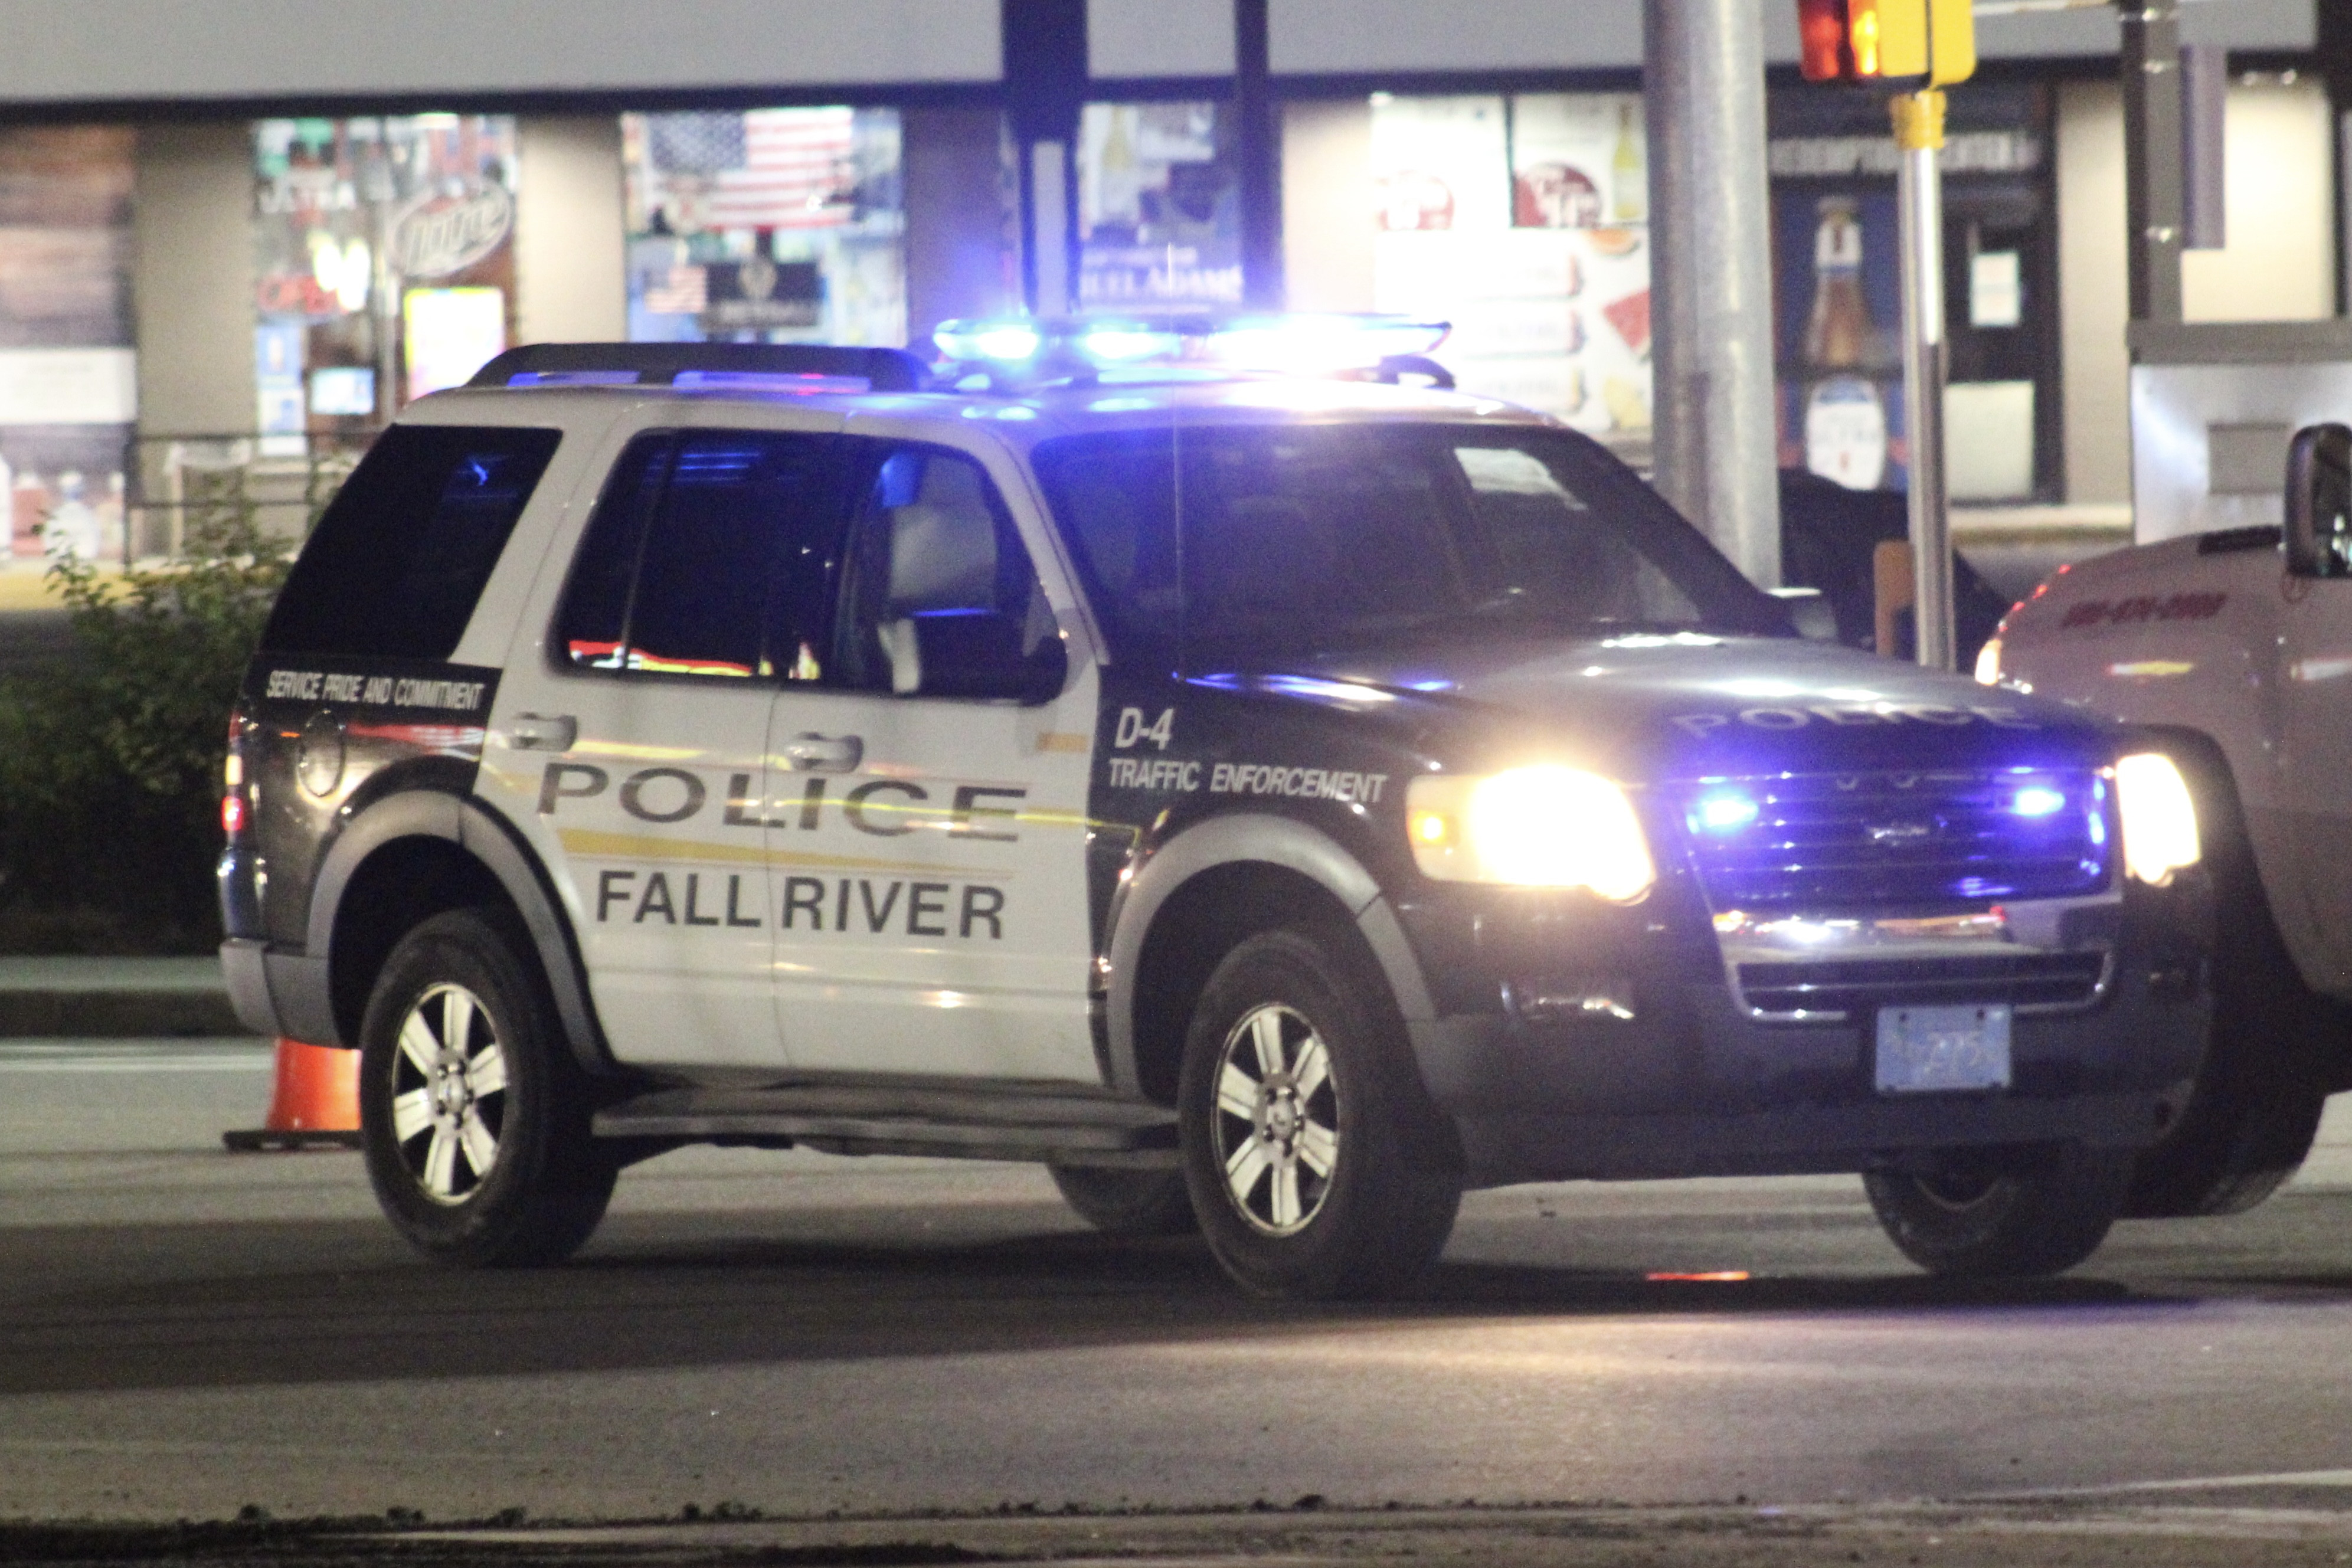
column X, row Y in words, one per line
column 1317, row 1164
column 1128, row 1203
column 2005, row 1216
column 2256, row 1106
column 474, row 1115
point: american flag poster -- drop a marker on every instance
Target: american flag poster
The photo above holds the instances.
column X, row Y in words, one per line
column 767, row 169
column 774, row 224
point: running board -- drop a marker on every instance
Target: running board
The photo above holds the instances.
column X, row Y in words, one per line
column 956, row 1123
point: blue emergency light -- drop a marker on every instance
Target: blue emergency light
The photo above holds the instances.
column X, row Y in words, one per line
column 1300, row 344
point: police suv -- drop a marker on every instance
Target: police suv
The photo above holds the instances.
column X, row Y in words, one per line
column 1274, row 801
column 2231, row 651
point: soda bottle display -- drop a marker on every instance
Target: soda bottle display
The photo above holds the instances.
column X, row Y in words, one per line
column 1845, row 417
column 1839, row 335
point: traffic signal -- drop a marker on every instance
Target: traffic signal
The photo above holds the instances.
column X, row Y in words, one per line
column 1893, row 41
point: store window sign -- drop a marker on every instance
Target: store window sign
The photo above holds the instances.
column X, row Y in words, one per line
column 449, row 334
column 1158, row 205
column 1996, row 289
column 1522, row 220
column 344, row 269
column 444, row 235
column 771, row 224
column 352, row 217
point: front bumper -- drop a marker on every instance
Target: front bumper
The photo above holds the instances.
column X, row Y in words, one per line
column 1700, row 1081
column 1711, row 1092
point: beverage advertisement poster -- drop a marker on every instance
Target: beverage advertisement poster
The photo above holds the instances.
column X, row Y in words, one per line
column 1523, row 220
column 69, row 379
column 775, row 225
column 351, row 217
column 1839, row 320
column 1838, row 302
column 1159, row 206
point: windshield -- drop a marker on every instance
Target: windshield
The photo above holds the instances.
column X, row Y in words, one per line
column 1301, row 539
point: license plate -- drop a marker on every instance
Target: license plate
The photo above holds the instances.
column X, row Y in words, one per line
column 1925, row 1050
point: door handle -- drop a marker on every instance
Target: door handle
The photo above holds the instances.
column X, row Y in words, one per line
column 543, row 732
column 824, row 753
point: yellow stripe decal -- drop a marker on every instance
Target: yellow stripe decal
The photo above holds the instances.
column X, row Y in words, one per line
column 594, row 845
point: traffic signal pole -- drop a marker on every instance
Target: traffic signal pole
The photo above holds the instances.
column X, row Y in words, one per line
column 1932, row 43
column 1919, row 194
column 1717, row 452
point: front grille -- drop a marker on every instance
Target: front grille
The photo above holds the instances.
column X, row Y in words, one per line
column 1825, row 842
column 2024, row 980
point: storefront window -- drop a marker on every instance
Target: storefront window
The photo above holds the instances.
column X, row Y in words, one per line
column 769, row 226
column 1524, row 221
column 385, row 259
column 1159, row 206
column 1839, row 305
column 68, row 375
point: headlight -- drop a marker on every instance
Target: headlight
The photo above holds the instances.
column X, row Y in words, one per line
column 2159, row 819
column 1989, row 662
column 1534, row 827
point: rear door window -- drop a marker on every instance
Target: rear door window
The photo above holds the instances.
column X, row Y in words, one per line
column 400, row 559
column 711, row 554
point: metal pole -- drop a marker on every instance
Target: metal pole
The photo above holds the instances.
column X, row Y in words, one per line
column 2154, row 208
column 1261, row 158
column 1717, row 454
column 1919, row 194
column 1044, row 89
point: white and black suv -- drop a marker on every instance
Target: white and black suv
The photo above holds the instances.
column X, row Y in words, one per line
column 1275, row 803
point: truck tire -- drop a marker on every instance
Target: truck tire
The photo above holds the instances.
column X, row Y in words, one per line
column 2255, row 1104
column 1128, row 1203
column 2008, row 1216
column 1317, row 1164
column 474, row 1114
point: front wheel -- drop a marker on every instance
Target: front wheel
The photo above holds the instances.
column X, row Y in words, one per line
column 1317, row 1164
column 2004, row 1218
column 2255, row 1104
column 474, row 1115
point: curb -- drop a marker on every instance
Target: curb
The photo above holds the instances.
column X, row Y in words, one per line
column 72, row 1014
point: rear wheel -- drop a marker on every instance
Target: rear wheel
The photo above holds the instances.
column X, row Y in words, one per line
column 1317, row 1164
column 2003, row 1216
column 2255, row 1107
column 474, row 1115
column 1128, row 1203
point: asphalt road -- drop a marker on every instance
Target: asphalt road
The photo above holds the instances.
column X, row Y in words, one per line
column 184, row 1333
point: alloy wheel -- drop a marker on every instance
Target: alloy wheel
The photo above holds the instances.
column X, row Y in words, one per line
column 1278, row 1122
column 448, row 1094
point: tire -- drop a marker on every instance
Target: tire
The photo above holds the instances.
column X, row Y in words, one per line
column 2004, row 1218
column 474, row 1114
column 2255, row 1107
column 1128, row 1203
column 1318, row 1166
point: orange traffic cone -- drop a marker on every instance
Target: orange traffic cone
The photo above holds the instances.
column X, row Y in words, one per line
column 315, row 1101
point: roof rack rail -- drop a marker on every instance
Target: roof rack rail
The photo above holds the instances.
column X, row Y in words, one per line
column 661, row 364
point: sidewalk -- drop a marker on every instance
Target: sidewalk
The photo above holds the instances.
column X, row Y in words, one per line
column 85, row 998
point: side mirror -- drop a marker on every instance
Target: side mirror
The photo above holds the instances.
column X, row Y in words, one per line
column 2319, row 502
column 1810, row 611
column 972, row 654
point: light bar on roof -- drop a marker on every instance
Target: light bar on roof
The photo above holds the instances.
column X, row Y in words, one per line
column 572, row 379
column 768, row 381
column 1306, row 344
column 997, row 342
column 1302, row 344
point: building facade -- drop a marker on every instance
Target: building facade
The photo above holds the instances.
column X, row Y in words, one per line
column 238, row 244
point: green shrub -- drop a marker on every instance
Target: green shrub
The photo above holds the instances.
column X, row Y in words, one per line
column 109, row 764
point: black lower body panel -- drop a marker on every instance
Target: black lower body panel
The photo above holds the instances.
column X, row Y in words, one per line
column 1697, row 1088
